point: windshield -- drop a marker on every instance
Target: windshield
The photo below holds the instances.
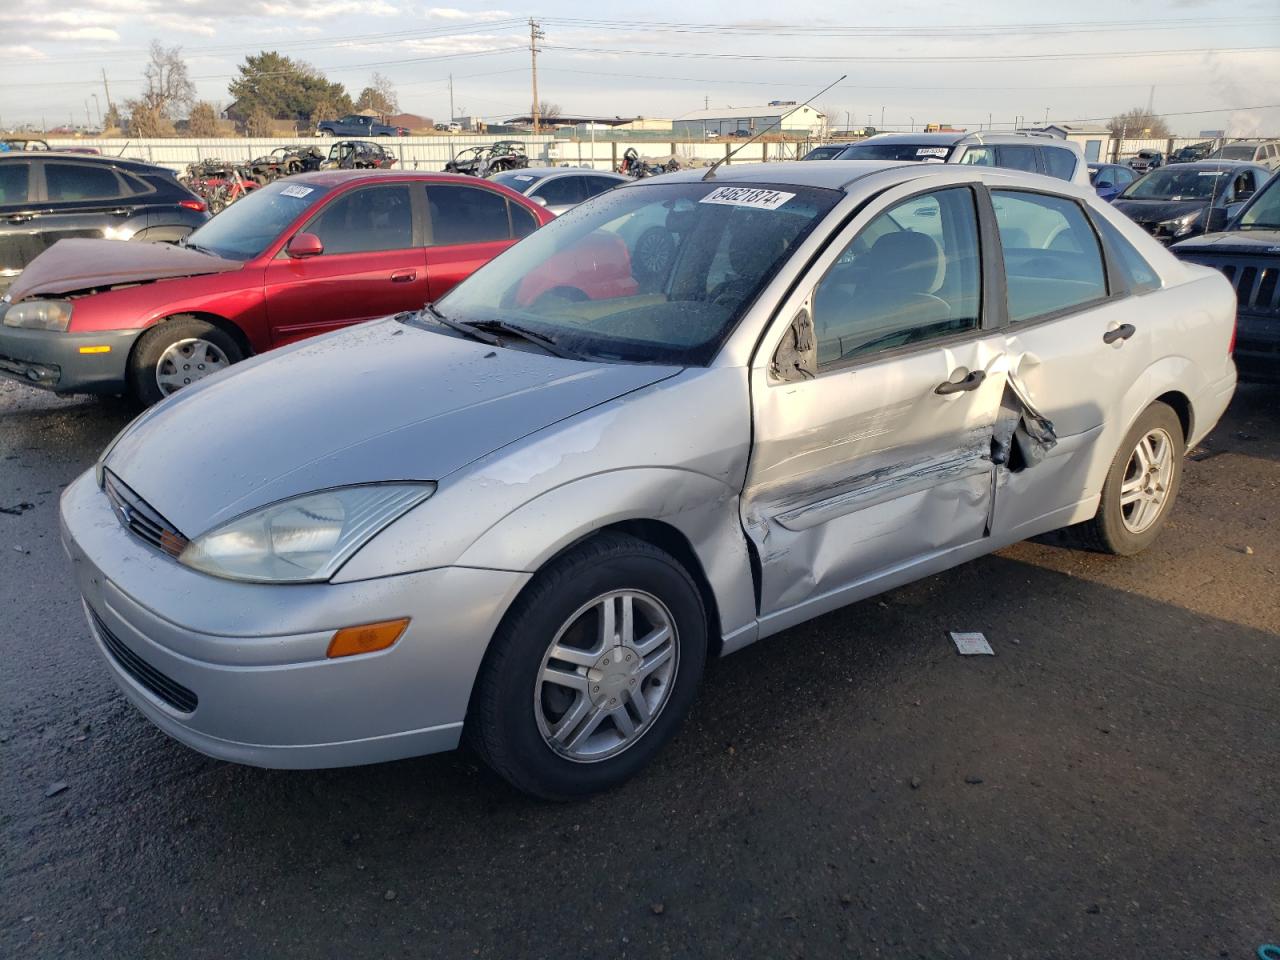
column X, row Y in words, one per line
column 1173, row 183
column 1234, row 153
column 250, row 225
column 1264, row 212
column 515, row 179
column 657, row 273
column 896, row 151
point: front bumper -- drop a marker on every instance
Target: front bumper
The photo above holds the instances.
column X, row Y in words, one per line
column 54, row 361
column 238, row 671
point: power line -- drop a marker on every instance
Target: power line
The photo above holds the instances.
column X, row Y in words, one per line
column 963, row 58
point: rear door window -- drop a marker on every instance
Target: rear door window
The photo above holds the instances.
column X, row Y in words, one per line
column 1052, row 259
column 595, row 185
column 14, row 178
column 561, row 191
column 467, row 215
column 1058, row 163
column 366, row 220
column 1017, row 157
column 68, row 182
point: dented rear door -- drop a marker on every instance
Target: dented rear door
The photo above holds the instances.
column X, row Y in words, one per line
column 875, row 404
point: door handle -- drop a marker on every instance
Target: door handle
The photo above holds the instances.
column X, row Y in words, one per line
column 971, row 382
column 20, row 218
column 404, row 276
column 1122, row 332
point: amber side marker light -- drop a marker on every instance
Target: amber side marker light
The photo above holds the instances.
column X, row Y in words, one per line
column 366, row 638
column 105, row 348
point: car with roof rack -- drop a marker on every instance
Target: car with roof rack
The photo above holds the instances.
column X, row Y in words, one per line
column 1032, row 152
column 529, row 515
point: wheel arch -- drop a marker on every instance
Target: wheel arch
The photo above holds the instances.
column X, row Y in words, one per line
column 231, row 329
column 1181, row 405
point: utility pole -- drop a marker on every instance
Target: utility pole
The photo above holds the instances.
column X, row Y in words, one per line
column 535, row 34
column 106, row 89
column 88, row 117
column 452, row 116
column 97, row 105
column 706, row 103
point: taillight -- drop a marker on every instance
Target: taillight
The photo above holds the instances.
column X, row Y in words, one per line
column 1231, row 347
column 196, row 205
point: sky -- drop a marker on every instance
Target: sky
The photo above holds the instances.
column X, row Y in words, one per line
column 962, row 63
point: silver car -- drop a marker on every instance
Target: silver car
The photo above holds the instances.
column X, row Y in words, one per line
column 529, row 515
column 559, row 188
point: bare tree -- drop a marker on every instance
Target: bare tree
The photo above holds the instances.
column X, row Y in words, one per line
column 259, row 123
column 548, row 112
column 203, row 120
column 166, row 86
column 379, row 97
column 1139, row 123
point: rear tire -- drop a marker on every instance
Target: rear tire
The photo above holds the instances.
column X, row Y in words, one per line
column 175, row 353
column 1140, row 488
column 592, row 670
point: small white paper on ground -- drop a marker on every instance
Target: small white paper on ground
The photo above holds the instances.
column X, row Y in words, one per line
column 971, row 643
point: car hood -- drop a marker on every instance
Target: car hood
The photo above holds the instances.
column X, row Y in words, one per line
column 83, row 264
column 378, row 402
column 1156, row 211
column 1256, row 243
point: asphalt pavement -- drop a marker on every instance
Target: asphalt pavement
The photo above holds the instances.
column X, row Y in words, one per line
column 1106, row 787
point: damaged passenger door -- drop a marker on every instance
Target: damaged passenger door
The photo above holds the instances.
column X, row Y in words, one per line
column 875, row 398
column 1075, row 343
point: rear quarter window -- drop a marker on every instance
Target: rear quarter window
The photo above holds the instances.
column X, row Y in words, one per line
column 1058, row 163
column 14, row 178
column 1139, row 274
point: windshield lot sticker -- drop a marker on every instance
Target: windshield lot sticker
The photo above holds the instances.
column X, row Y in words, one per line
column 524, row 179
column 295, row 190
column 931, row 152
column 748, row 197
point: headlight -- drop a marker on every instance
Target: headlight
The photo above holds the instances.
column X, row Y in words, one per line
column 1181, row 225
column 39, row 314
column 304, row 539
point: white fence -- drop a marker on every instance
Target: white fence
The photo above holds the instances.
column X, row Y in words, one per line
column 432, row 153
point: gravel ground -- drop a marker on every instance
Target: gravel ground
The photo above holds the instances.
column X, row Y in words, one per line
column 1104, row 788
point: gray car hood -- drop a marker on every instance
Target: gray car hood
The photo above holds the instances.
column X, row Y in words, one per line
column 382, row 401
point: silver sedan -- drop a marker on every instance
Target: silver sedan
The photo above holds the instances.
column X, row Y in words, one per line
column 559, row 188
column 528, row 515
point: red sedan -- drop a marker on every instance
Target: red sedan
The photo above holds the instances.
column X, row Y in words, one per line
column 296, row 258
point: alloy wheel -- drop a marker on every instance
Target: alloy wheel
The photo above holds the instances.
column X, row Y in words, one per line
column 1147, row 479
column 606, row 675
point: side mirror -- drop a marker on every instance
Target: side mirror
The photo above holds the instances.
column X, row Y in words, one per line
column 797, row 354
column 1218, row 217
column 304, row 245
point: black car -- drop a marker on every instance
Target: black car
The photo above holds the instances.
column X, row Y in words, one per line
column 46, row 196
column 1185, row 199
column 1247, row 251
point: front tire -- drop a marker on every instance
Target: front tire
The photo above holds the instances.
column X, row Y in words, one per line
column 592, row 670
column 1140, row 488
column 176, row 353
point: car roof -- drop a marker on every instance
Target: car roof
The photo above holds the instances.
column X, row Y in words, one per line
column 553, row 171
column 127, row 163
column 832, row 174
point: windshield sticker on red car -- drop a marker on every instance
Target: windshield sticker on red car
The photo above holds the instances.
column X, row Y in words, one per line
column 932, row 152
column 296, row 190
column 748, row 197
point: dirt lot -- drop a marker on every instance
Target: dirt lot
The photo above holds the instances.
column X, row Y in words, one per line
column 1105, row 788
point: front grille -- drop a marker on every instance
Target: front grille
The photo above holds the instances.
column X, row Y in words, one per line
column 167, row 689
column 1256, row 282
column 141, row 518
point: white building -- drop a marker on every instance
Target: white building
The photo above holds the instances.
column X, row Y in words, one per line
column 727, row 121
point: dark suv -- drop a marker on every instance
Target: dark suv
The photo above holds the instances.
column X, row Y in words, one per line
column 1247, row 251
column 45, row 197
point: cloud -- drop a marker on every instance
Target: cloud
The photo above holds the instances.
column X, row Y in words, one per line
column 21, row 52
column 453, row 13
